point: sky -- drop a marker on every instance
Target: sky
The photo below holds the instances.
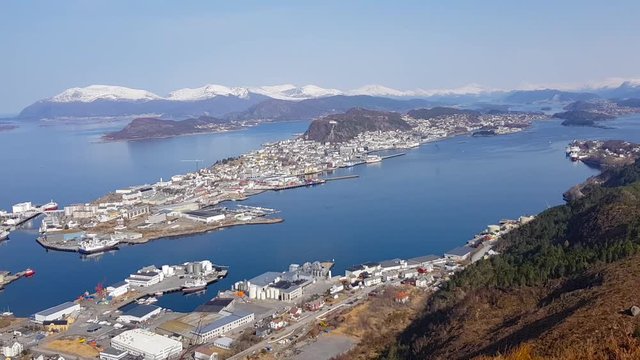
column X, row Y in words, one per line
column 48, row 46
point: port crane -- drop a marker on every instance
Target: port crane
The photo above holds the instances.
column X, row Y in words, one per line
column 197, row 161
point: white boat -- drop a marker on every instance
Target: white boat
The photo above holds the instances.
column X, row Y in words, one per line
column 93, row 245
column 194, row 285
column 4, row 234
column 373, row 159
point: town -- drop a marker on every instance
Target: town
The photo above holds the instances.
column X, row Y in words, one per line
column 203, row 200
column 269, row 313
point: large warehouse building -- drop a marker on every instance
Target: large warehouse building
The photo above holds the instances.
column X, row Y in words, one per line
column 57, row 312
column 149, row 345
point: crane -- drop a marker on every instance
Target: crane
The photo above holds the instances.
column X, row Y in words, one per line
column 197, row 161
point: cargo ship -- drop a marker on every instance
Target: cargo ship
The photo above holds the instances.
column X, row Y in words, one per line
column 194, row 286
column 92, row 246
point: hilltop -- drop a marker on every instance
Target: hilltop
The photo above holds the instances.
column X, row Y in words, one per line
column 344, row 127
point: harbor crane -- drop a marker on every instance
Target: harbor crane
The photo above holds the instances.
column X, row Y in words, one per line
column 197, row 161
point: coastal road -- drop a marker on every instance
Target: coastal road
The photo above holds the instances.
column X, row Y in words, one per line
column 306, row 321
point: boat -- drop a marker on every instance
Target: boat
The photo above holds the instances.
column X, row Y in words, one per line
column 194, row 286
column 50, row 206
column 373, row 159
column 93, row 245
column 4, row 234
column 574, row 156
column 29, row 272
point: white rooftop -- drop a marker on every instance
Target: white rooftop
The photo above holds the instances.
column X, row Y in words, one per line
column 145, row 341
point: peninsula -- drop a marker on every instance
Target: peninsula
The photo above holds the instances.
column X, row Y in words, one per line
column 197, row 202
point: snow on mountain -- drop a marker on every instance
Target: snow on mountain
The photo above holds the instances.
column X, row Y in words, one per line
column 207, row 92
column 103, row 92
column 379, row 90
column 292, row 92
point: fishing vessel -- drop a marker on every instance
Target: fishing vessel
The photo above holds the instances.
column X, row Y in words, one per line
column 194, row 286
column 93, row 245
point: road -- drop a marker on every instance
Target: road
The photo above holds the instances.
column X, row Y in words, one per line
column 304, row 322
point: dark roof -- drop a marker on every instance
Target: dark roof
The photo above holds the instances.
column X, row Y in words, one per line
column 55, row 309
column 119, row 284
column 215, row 305
column 459, row 251
column 140, row 310
column 112, row 351
column 55, row 322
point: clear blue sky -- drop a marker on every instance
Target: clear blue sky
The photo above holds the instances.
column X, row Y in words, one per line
column 48, row 46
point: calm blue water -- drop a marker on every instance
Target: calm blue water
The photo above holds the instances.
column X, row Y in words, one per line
column 434, row 198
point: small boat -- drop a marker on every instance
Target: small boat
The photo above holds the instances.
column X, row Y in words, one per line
column 194, row 286
column 29, row 272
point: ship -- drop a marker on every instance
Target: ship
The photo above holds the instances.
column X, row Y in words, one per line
column 194, row 286
column 4, row 234
column 29, row 272
column 373, row 159
column 91, row 246
column 50, row 206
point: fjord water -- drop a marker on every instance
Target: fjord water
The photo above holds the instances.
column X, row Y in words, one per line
column 428, row 201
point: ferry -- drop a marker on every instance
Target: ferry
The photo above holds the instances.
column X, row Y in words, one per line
column 91, row 246
column 194, row 286
column 373, row 159
column 50, row 206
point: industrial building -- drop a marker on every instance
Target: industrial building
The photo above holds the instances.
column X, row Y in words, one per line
column 138, row 313
column 206, row 216
column 149, row 345
column 118, row 289
column 57, row 312
column 459, row 254
column 145, row 277
column 223, row 325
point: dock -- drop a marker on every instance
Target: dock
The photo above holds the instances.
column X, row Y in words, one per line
column 346, row 177
column 393, row 155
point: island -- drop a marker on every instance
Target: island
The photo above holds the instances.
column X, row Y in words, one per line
column 209, row 198
column 149, row 128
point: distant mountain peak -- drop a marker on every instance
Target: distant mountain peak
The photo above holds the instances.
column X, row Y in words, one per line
column 292, row 92
column 103, row 92
column 207, row 92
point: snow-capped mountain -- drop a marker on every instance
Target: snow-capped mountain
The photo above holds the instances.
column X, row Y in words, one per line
column 292, row 92
column 379, row 90
column 103, row 92
column 207, row 92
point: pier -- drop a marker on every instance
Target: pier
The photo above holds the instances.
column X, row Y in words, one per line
column 346, row 177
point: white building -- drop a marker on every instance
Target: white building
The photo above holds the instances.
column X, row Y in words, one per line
column 145, row 277
column 22, row 207
column 118, row 289
column 13, row 350
column 223, row 325
column 371, row 281
column 139, row 313
column 57, row 312
column 223, row 343
column 149, row 345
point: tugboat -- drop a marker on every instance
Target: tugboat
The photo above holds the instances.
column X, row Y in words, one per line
column 195, row 285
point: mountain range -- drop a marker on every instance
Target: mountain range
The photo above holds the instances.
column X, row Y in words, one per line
column 288, row 101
